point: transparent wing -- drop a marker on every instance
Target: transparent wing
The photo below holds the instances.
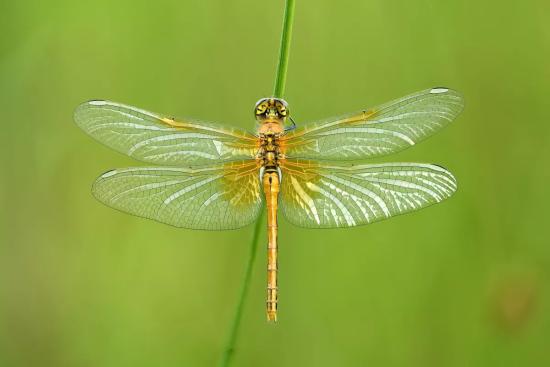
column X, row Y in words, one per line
column 152, row 138
column 218, row 198
column 381, row 130
column 324, row 196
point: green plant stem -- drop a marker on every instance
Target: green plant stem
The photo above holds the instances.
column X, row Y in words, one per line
column 280, row 82
column 233, row 331
column 284, row 49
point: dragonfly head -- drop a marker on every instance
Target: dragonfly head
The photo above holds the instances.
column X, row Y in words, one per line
column 271, row 110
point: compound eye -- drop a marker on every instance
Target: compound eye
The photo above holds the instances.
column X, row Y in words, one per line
column 261, row 108
column 281, row 108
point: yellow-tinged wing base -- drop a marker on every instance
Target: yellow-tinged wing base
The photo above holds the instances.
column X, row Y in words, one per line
column 213, row 198
column 319, row 195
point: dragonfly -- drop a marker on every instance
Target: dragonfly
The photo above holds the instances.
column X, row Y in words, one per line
column 211, row 177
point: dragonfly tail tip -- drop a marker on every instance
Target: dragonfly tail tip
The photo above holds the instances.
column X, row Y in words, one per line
column 272, row 317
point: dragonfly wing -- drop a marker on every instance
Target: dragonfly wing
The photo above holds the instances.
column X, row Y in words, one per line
column 324, row 196
column 216, row 198
column 381, row 130
column 152, row 138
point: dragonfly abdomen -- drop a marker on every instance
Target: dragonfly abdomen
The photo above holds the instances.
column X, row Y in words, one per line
column 271, row 190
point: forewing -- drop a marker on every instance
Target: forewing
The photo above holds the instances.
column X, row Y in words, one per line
column 153, row 138
column 378, row 131
column 323, row 196
column 223, row 197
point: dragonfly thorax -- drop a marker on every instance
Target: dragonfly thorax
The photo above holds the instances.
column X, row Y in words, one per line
column 269, row 154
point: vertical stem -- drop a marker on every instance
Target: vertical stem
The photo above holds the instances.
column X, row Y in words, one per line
column 280, row 82
column 233, row 331
column 284, row 49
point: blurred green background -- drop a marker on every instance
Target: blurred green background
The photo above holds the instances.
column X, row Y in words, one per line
column 463, row 283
